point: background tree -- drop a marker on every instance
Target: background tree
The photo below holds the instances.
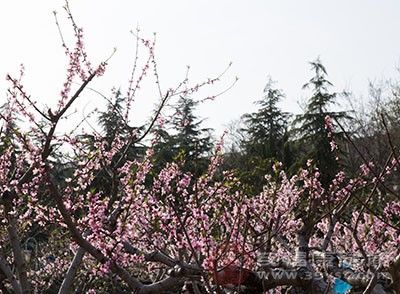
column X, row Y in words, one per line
column 114, row 131
column 184, row 140
column 377, row 118
column 266, row 139
column 112, row 121
column 311, row 134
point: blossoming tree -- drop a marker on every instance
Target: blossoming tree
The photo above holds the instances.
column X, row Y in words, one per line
column 173, row 232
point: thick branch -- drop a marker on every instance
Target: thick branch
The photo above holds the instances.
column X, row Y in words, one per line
column 6, row 270
column 185, row 269
column 394, row 270
column 161, row 286
column 68, row 281
column 12, row 229
column 133, row 283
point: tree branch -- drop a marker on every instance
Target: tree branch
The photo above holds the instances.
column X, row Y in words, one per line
column 12, row 229
column 133, row 283
column 5, row 268
column 68, row 281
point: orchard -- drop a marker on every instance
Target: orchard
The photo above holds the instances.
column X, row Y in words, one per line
column 85, row 213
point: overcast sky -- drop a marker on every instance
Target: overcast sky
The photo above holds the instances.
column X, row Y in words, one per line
column 357, row 40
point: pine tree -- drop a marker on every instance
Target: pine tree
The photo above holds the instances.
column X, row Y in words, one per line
column 112, row 121
column 114, row 125
column 267, row 128
column 164, row 148
column 186, row 142
column 312, row 135
column 266, row 141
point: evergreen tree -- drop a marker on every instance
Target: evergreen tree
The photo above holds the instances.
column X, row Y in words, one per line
column 187, row 142
column 266, row 140
column 113, row 125
column 164, row 148
column 112, row 122
column 312, row 134
column 267, row 128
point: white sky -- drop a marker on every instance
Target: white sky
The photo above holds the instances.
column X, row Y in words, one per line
column 357, row 40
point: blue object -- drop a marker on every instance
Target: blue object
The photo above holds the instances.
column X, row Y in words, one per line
column 341, row 287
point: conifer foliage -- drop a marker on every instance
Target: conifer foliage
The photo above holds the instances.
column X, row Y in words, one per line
column 266, row 140
column 267, row 127
column 183, row 139
column 310, row 129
